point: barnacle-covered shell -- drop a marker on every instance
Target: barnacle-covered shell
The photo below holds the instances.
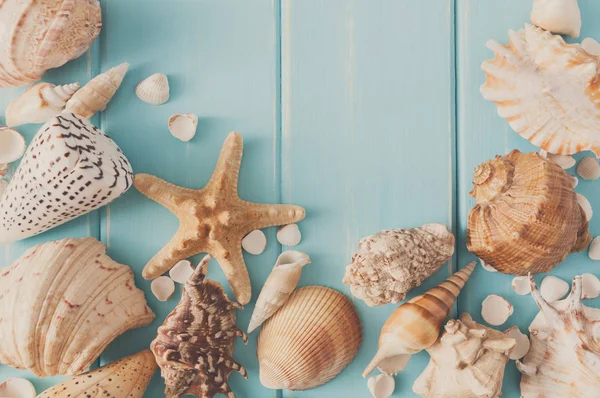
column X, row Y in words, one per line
column 61, row 305
column 468, row 361
column 194, row 345
column 526, row 218
column 391, row 263
column 547, row 90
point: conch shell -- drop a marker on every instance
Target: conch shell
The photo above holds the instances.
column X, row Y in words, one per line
column 128, row 377
column 39, row 103
column 468, row 361
column 416, row 324
column 391, row 263
column 278, row 287
column 547, row 90
column 62, row 303
column 41, row 35
column 564, row 358
column 194, row 346
column 527, row 218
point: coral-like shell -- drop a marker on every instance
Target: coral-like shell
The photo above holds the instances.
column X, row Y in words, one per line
column 154, row 90
column 547, row 90
column 416, row 324
column 496, row 310
column 41, row 35
column 181, row 272
column 553, row 288
column 70, row 169
column 381, row 386
column 468, row 361
column 163, row 288
column 62, row 303
column 564, row 358
column 255, row 242
column 39, row 103
column 289, row 235
column 391, row 263
column 95, row 96
column 279, row 286
column 558, row 16
column 17, row 388
column 522, row 347
column 309, row 341
column 126, row 378
column 591, row 46
column 588, row 168
column 183, row 126
column 526, row 218
column 12, row 145
column 194, row 345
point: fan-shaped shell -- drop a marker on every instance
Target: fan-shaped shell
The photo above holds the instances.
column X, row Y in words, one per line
column 62, row 303
column 309, row 341
column 154, row 90
column 526, row 218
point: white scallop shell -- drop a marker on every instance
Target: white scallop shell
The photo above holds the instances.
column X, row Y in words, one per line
column 39, row 103
column 163, row 288
column 289, row 235
column 558, row 16
column 588, row 168
column 12, row 145
column 17, row 388
column 154, row 90
column 496, row 310
column 183, row 126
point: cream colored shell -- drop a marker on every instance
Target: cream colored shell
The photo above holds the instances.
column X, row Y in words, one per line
column 557, row 16
column 154, row 90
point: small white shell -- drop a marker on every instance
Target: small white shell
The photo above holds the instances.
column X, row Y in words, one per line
column 181, row 271
column 553, row 288
column 594, row 251
column 17, row 388
column 495, row 310
column 12, row 145
column 521, row 285
column 590, row 285
column 564, row 161
column 381, row 386
column 522, row 347
column 154, row 90
column 586, row 206
column 163, row 288
column 557, row 16
column 591, row 46
column 255, row 242
column 487, row 267
column 588, row 168
column 574, row 181
column 289, row 235
column 183, row 126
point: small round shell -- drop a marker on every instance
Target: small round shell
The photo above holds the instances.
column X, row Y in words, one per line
column 183, row 126
column 17, row 388
column 588, row 168
column 590, row 286
column 163, row 288
column 154, row 90
column 289, row 235
column 181, row 271
column 12, row 145
column 521, row 285
column 553, row 288
column 594, row 251
column 586, row 206
column 255, row 242
column 522, row 347
column 591, row 46
column 495, row 310
column 381, row 386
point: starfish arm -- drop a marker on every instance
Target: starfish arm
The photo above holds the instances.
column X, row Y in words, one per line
column 176, row 250
column 226, row 174
column 263, row 215
column 232, row 263
column 168, row 195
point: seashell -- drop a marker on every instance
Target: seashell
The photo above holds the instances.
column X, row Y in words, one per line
column 75, row 168
column 521, row 286
column 41, row 35
column 564, row 358
column 95, row 96
column 564, row 161
column 588, row 168
column 289, row 235
column 467, row 361
column 12, row 145
column 594, row 252
column 496, row 310
column 278, row 287
column 309, row 341
column 72, row 300
column 522, row 346
column 3, row 169
column 487, row 267
column 255, row 242
column 163, row 288
column 128, row 377
column 39, row 103
column 154, row 90
column 17, row 388
column 586, row 207
column 574, row 181
column 194, row 345
column 526, row 218
column 381, row 386
column 590, row 285
column 591, row 46
column 391, row 263
column 181, row 271
column 183, row 126
column 546, row 89
column 558, row 16
column 416, row 324
column 553, row 288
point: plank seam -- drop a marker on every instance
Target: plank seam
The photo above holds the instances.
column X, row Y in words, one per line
column 454, row 132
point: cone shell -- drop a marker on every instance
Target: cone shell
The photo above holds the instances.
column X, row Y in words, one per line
column 547, row 90
column 527, row 218
column 309, row 340
column 72, row 301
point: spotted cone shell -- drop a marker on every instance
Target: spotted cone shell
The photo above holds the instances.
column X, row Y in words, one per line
column 309, row 341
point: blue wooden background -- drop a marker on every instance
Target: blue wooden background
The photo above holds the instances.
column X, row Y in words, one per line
column 366, row 112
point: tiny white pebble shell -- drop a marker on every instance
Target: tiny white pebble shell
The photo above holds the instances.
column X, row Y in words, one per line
column 163, row 288
column 553, row 289
column 574, row 181
column 521, row 285
column 590, row 285
column 289, row 235
column 12, row 145
column 381, row 386
column 591, row 46
column 594, row 251
column 183, row 126
column 495, row 310
column 564, row 161
column 255, row 242
column 586, row 206
column 487, row 267
column 588, row 168
column 181, row 271
column 17, row 387
column 522, row 347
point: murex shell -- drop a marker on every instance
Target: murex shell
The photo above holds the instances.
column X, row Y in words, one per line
column 62, row 303
column 69, row 169
column 547, row 90
column 391, row 263
column 526, row 218
column 40, row 35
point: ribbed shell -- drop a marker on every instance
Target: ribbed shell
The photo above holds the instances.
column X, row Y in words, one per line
column 527, row 218
column 309, row 341
column 154, row 90
column 62, row 303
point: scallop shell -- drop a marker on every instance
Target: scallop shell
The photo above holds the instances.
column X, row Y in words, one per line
column 289, row 235
column 547, row 90
column 12, row 145
column 72, row 300
column 16, row 387
column 526, row 218
column 154, row 90
column 588, row 168
column 309, row 341
column 558, row 16
column 41, row 35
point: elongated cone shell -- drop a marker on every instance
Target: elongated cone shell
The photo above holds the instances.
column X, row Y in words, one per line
column 526, row 218
column 69, row 169
column 126, row 378
column 309, row 341
column 416, row 324
column 95, row 96
column 63, row 303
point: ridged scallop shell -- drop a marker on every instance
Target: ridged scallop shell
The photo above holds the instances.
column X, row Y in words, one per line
column 309, row 341
column 526, row 218
column 588, row 168
column 154, row 90
column 41, row 35
column 547, row 90
column 62, row 303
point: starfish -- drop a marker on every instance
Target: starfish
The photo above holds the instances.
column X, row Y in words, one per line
column 214, row 219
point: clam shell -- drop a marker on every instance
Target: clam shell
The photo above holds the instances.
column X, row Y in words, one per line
column 588, row 168
column 183, row 126
column 154, row 90
column 12, row 145
column 163, row 288
column 309, row 340
column 496, row 310
column 17, row 388
column 289, row 235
